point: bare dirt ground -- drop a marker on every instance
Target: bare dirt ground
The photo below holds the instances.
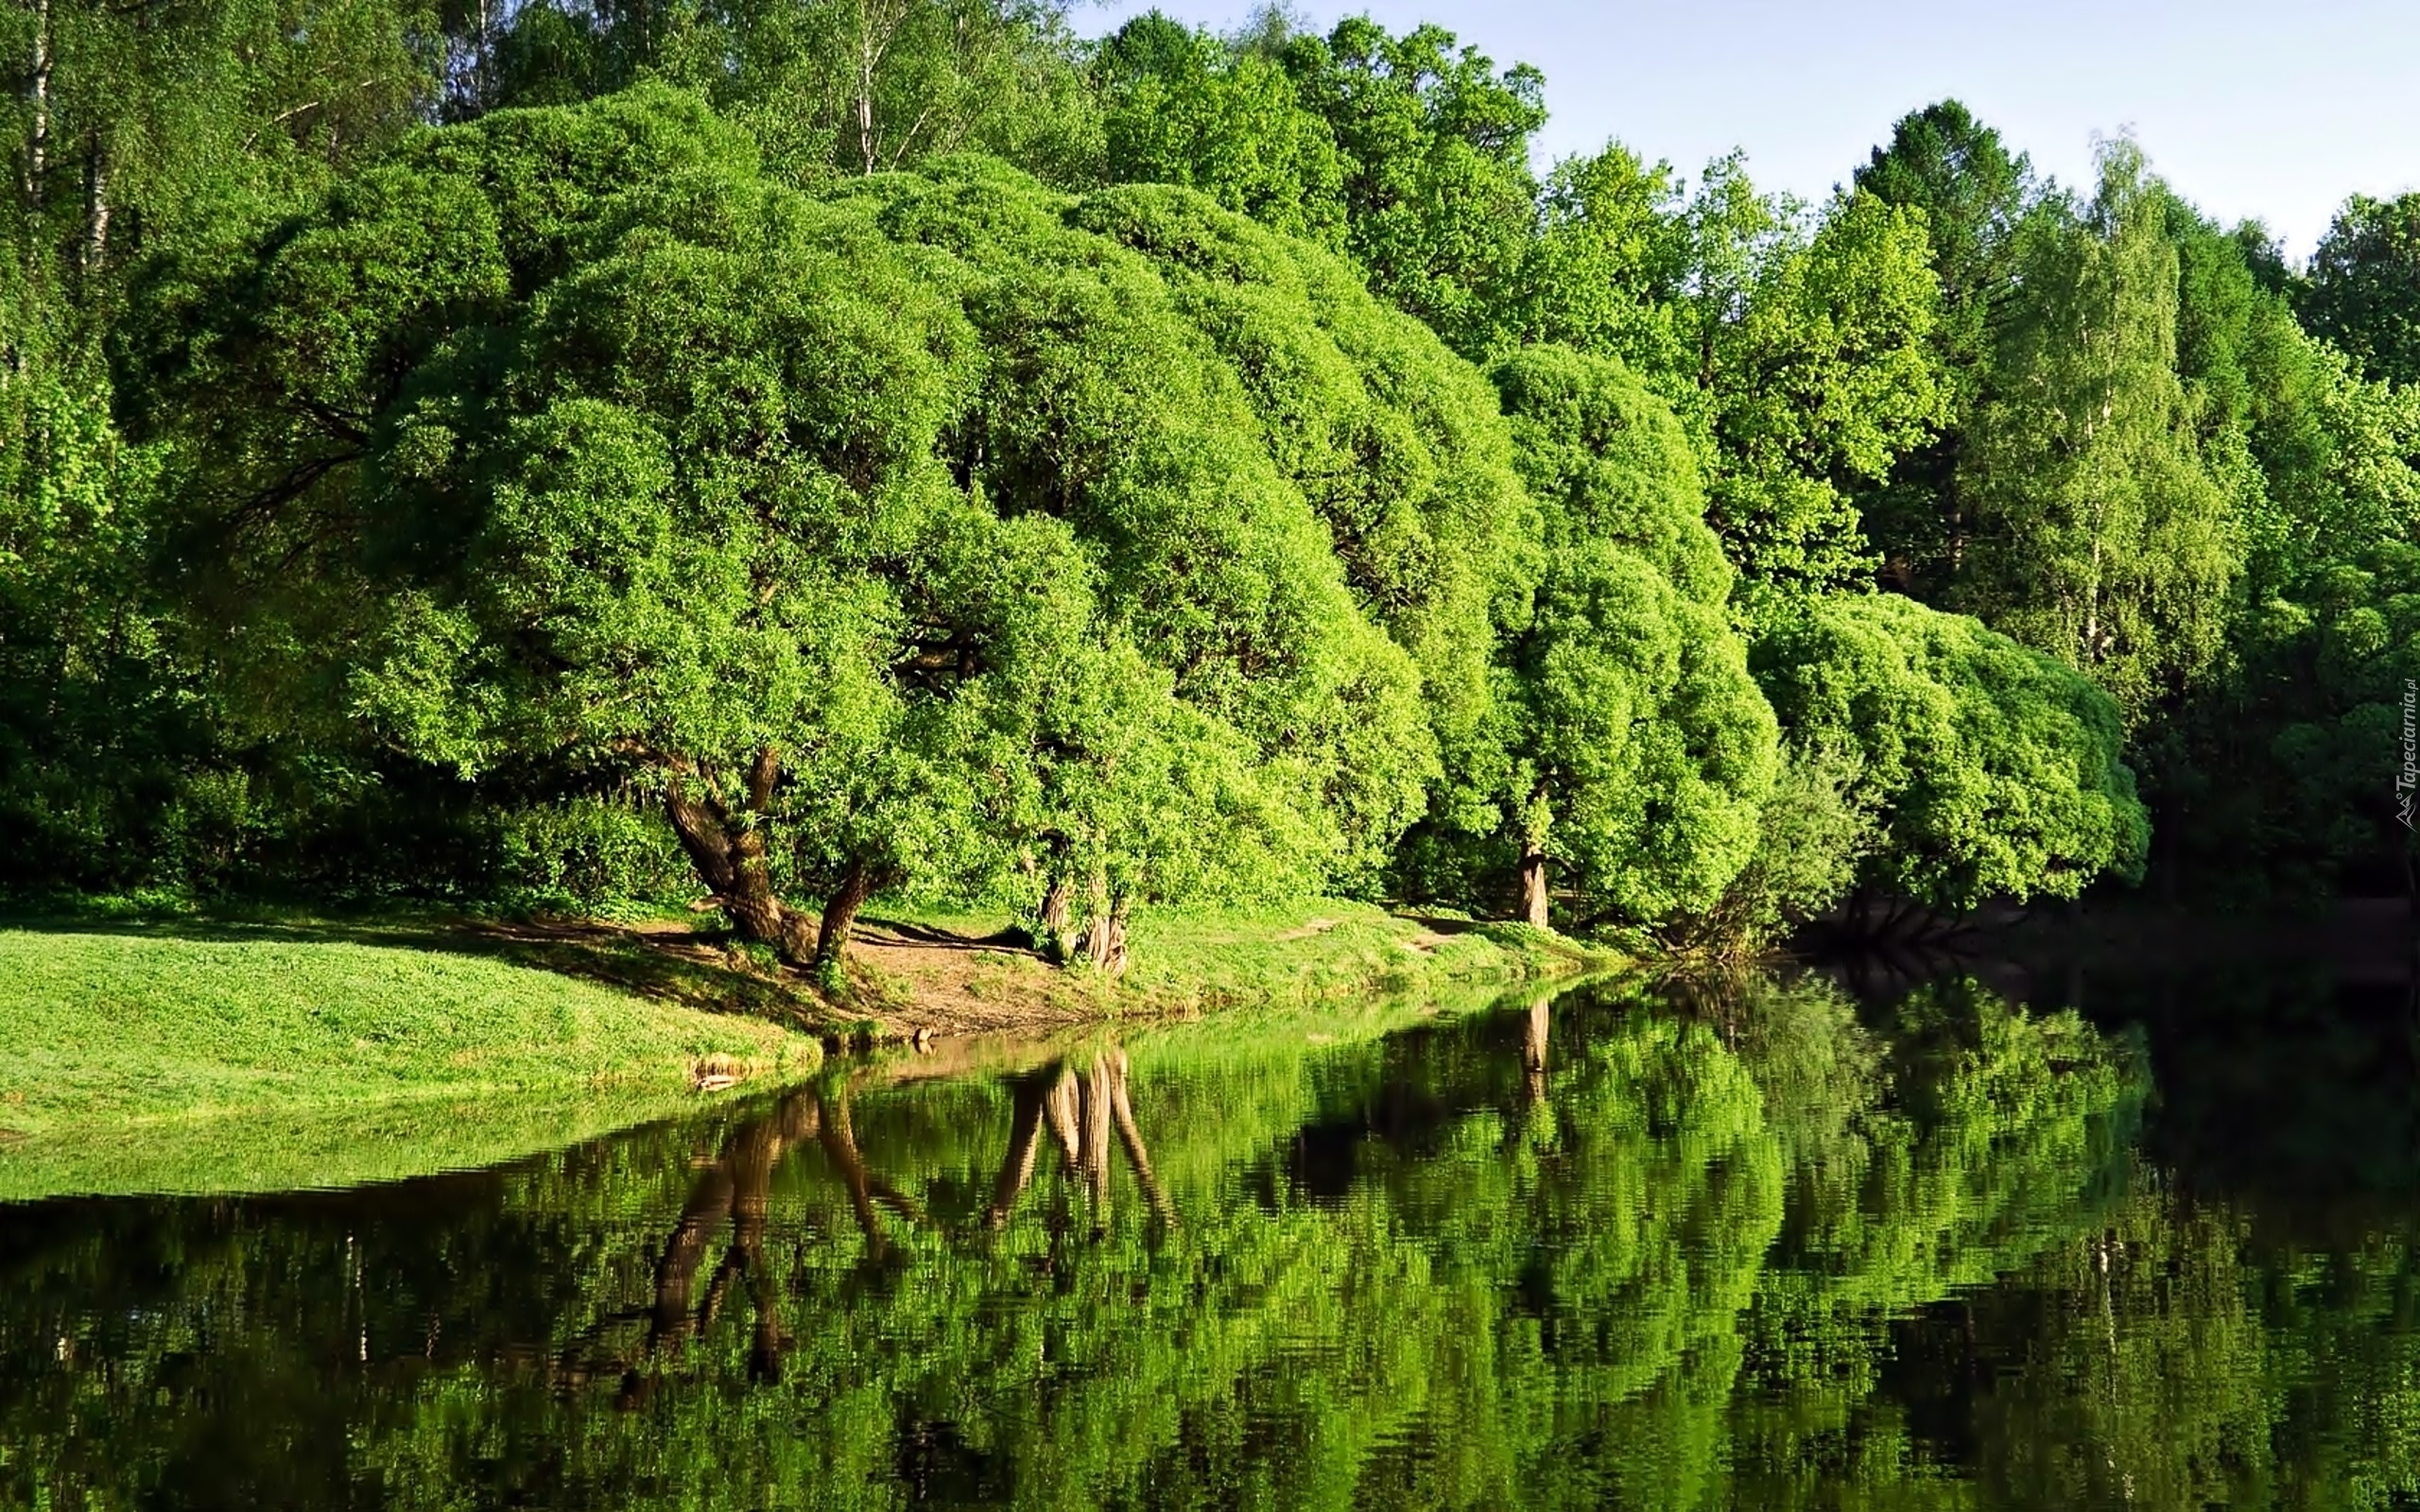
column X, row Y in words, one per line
column 907, row 977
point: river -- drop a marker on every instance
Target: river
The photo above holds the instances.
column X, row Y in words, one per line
column 1767, row 1244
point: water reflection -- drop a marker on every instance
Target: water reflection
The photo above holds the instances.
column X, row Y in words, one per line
column 1766, row 1245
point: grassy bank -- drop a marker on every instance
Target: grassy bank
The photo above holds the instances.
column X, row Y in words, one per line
column 177, row 1054
column 108, row 1029
column 959, row 972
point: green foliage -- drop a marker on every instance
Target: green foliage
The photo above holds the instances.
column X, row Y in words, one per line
column 1995, row 770
column 1188, row 110
column 2363, row 293
column 1944, row 162
column 2102, row 534
column 1634, row 749
column 992, row 519
column 1818, row 369
column 1593, row 1251
column 590, row 853
column 1608, row 265
column 1815, row 836
column 1433, row 144
column 774, row 387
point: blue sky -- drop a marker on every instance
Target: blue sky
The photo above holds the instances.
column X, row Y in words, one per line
column 2269, row 111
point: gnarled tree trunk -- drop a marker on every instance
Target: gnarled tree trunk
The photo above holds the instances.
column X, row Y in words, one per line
column 1535, row 822
column 1104, row 943
column 1057, row 903
column 728, row 848
column 858, row 883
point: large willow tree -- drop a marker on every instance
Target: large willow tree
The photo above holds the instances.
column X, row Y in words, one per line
column 935, row 527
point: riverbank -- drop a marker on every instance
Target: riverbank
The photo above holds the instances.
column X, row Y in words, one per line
column 349, row 1034
column 932, row 973
column 110, row 1030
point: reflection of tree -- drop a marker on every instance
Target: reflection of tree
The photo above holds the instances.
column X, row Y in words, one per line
column 736, row 1188
column 1586, row 1252
column 1083, row 1111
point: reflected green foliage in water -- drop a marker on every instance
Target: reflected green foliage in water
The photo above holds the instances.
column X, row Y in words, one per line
column 1761, row 1250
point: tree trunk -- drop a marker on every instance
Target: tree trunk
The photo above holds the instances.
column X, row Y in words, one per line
column 1105, row 931
column 878, row 24
column 729, row 851
column 1056, row 903
column 857, row 883
column 1533, row 886
column 37, row 132
column 97, row 206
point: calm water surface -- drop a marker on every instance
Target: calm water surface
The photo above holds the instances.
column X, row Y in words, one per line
column 1774, row 1246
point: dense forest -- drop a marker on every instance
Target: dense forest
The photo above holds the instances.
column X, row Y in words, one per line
column 787, row 449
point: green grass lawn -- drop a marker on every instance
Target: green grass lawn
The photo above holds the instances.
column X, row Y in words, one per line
column 112, row 1028
column 1312, row 952
column 183, row 1055
column 1327, row 948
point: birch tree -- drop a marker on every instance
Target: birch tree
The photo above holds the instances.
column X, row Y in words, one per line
column 2101, row 536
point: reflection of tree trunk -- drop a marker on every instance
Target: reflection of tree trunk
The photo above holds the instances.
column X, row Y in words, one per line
column 1060, row 1106
column 1121, row 1111
column 840, row 1139
column 729, row 851
column 840, row 1147
column 739, row 1186
column 752, row 1207
column 1534, row 1048
column 1025, row 1144
column 1083, row 1114
column 1093, row 1136
column 709, row 1204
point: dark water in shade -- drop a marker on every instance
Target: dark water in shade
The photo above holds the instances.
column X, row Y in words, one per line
column 1768, row 1247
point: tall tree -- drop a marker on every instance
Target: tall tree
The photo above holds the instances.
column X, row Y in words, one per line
column 1439, row 198
column 2363, row 290
column 1815, row 372
column 2101, row 533
column 887, row 534
column 1943, row 161
column 1187, row 108
column 1634, row 751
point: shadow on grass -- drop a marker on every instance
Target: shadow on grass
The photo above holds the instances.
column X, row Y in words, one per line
column 687, row 968
column 1012, row 939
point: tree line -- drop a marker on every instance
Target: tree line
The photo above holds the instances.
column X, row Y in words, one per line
column 803, row 448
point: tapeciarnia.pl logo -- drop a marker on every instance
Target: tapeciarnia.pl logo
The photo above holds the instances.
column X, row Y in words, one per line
column 2406, row 782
